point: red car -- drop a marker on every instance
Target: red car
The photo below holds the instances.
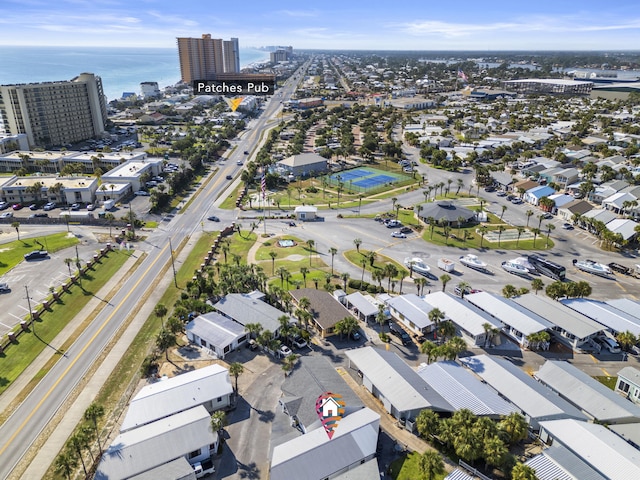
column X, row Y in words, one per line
column 17, row 206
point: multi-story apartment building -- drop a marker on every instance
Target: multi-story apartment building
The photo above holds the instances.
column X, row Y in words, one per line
column 203, row 58
column 55, row 113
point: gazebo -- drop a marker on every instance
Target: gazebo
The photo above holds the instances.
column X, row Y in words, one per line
column 445, row 210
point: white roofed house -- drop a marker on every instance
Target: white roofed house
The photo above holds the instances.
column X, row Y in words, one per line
column 519, row 323
column 306, row 213
column 628, row 384
column 559, row 463
column 186, row 434
column 613, row 319
column 216, row 332
column 596, row 445
column 362, row 306
column 592, row 397
column 208, row 386
column 412, row 312
column 569, row 327
column 401, row 390
column 469, row 320
column 245, row 308
column 537, row 402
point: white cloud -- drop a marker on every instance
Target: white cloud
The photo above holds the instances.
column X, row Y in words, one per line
column 298, row 13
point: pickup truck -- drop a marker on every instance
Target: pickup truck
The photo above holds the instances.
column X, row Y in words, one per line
column 203, row 468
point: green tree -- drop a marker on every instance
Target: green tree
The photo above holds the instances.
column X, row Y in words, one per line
column 494, row 451
column 346, row 326
column 523, row 472
column 273, row 254
column 289, row 362
column 65, row 463
column 509, row 291
column 219, row 421
column 429, row 349
column 430, row 465
column 626, row 340
column 76, row 443
column 235, row 370
column 93, row 413
column 254, row 329
column 556, row 290
column 333, row 252
column 160, row 311
column 436, row 316
column 310, row 245
column 537, row 285
column 164, row 341
column 16, row 225
column 304, row 271
column 514, row 427
column 357, row 242
column 444, row 278
column 427, row 423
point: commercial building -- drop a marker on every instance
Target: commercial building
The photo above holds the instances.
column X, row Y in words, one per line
column 149, row 89
column 55, row 113
column 549, row 86
column 130, row 173
column 303, row 165
column 203, row 58
column 61, row 190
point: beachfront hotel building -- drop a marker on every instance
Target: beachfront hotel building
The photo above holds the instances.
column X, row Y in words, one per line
column 203, row 58
column 55, row 113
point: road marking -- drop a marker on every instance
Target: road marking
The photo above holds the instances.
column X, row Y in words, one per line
column 595, row 360
column 605, row 372
column 75, row 360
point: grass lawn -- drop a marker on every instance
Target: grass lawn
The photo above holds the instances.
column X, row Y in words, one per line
column 379, row 263
column 17, row 357
column 13, row 252
column 240, row 245
column 407, row 468
column 610, row 382
column 474, row 239
column 229, row 203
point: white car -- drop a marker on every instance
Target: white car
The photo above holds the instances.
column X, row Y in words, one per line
column 6, row 215
column 285, row 351
column 141, row 193
column 398, row 234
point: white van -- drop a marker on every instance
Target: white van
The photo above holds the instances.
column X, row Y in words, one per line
column 611, row 345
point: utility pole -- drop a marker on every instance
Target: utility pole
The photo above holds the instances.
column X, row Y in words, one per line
column 173, row 266
column 33, row 325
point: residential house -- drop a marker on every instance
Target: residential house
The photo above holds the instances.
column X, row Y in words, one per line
column 628, row 384
column 598, row 401
column 325, row 310
column 603, row 450
column 401, row 390
column 536, row 402
column 350, row 453
column 208, row 386
column 412, row 312
column 576, row 207
column 625, row 227
column 558, row 462
column 186, row 434
column 613, row 319
column 216, row 332
column 534, row 195
column 363, row 307
column 565, row 177
column 245, row 308
column 618, row 201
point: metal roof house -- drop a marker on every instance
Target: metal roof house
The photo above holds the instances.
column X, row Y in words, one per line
column 518, row 321
column 179, row 469
column 313, row 456
column 592, row 397
column 602, row 449
column 401, row 390
column 611, row 318
column 301, row 388
column 630, row 307
column 534, row 195
column 569, row 327
column 208, row 386
column 412, row 311
column 468, row 319
column 361, row 306
column 559, row 463
column 628, row 384
column 461, row 389
column 244, row 308
column 185, row 434
column 216, row 332
column 537, row 402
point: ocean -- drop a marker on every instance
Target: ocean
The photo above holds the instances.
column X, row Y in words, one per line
column 121, row 69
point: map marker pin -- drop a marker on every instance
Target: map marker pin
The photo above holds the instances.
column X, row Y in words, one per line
column 233, row 103
column 330, row 409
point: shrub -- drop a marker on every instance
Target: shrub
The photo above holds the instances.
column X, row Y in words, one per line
column 358, row 285
column 374, row 289
column 384, row 337
column 311, row 189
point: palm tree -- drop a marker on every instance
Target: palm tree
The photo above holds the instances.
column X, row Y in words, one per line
column 363, row 262
column 310, row 245
column 391, row 271
column 164, row 341
column 430, row 464
column 521, row 230
column 523, row 472
column 514, row 426
column 345, row 277
column 501, row 229
column 93, row 413
column 504, row 209
column 273, row 254
column 304, row 271
column 529, row 214
column 550, row 228
column 463, row 287
column 427, row 423
column 254, row 329
column 346, row 326
column 536, row 285
column 483, row 230
column 536, row 232
column 626, row 340
column 444, row 278
column 333, row 252
column 77, row 443
column 357, row 242
column 494, row 451
column 460, row 184
column 219, row 421
column 65, row 463
column 509, row 291
column 420, row 283
column 447, row 329
column 428, row 348
column 236, row 369
column 68, row 262
column 288, row 363
column 381, row 317
column 541, row 218
column 436, row 316
column 160, row 311
column 283, row 272
column 16, row 225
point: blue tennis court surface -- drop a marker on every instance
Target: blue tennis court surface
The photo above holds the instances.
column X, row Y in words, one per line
column 364, row 179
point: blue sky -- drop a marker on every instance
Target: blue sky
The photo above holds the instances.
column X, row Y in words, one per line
column 328, row 24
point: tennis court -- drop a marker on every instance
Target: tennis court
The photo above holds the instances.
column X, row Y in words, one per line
column 363, row 179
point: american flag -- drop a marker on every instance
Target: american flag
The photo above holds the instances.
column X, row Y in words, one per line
column 263, row 185
column 462, row 75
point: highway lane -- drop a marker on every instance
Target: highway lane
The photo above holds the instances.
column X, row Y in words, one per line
column 29, row 419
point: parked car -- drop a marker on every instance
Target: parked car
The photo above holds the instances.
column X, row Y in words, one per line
column 4, row 287
column 567, row 226
column 33, row 206
column 229, row 177
column 608, row 344
column 398, row 234
column 49, row 206
column 38, row 215
column 490, row 189
column 36, row 254
column 299, row 342
column 75, row 207
column 516, row 201
column 547, row 216
column 4, row 205
column 17, row 206
column 6, row 215
column 141, row 193
column 501, row 193
column 213, row 218
column 406, row 230
column 400, row 333
column 91, row 207
column 285, row 351
column 355, row 335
